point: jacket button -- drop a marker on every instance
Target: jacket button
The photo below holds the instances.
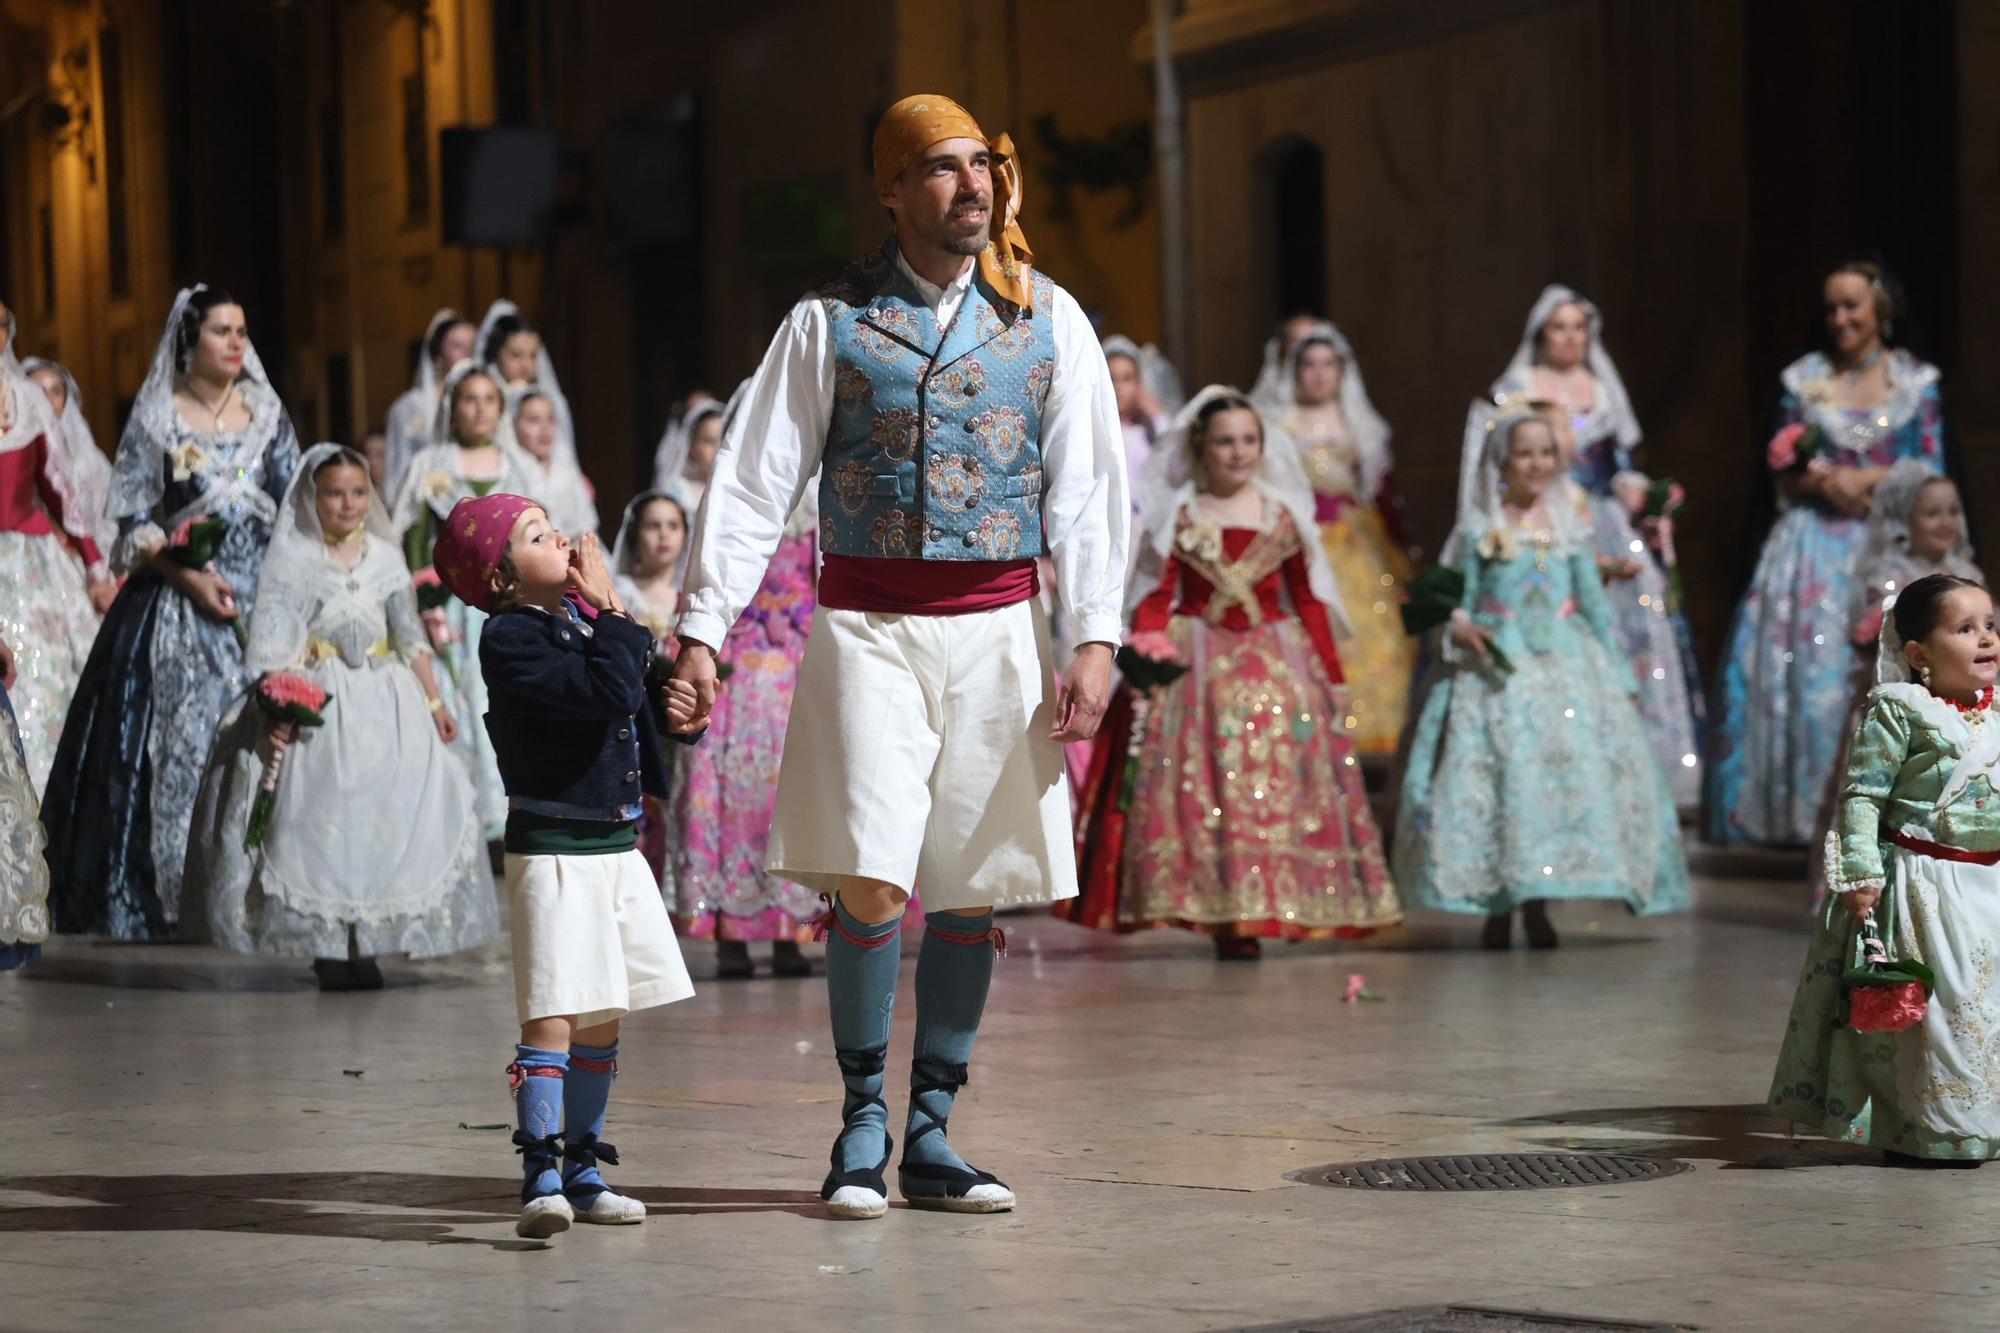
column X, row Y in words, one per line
column 624, row 733
column 563, row 634
column 631, row 777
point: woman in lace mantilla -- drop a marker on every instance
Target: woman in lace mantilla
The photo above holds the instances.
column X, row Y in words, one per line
column 207, row 440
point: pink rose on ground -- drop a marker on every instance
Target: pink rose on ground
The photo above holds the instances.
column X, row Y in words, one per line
column 1783, row 451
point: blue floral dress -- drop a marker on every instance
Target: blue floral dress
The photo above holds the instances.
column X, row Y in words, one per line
column 121, row 795
column 1787, row 678
column 1538, row 782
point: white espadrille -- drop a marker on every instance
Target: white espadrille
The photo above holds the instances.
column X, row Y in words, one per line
column 612, row 1210
column 549, row 1215
column 856, row 1203
column 992, row 1197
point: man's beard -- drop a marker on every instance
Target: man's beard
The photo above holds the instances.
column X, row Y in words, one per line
column 957, row 243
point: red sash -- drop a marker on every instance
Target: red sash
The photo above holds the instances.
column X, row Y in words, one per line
column 1942, row 852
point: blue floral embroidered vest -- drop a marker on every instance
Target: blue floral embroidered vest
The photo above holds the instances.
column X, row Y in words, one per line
column 934, row 449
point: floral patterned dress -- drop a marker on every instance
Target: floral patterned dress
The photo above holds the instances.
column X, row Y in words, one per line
column 121, row 794
column 1247, row 813
column 718, row 816
column 1919, row 782
column 1786, row 676
column 1537, row 782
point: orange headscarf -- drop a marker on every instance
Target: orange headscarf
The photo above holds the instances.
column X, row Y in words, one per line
column 914, row 124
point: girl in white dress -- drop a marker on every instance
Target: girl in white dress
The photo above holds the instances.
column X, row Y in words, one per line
column 374, row 844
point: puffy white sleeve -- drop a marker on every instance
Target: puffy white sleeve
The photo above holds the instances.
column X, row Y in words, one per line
column 769, row 453
column 1086, row 510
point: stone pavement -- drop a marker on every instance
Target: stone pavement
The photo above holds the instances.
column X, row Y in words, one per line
column 205, row 1143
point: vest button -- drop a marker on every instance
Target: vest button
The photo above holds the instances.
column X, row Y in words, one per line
column 972, row 539
column 971, row 427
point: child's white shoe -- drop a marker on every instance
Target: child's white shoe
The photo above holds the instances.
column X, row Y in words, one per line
column 612, row 1210
column 548, row 1215
column 856, row 1203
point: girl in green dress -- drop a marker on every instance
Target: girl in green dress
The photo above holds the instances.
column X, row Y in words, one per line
column 1917, row 846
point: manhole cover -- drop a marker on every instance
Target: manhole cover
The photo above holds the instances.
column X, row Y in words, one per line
column 1467, row 1319
column 1494, row 1171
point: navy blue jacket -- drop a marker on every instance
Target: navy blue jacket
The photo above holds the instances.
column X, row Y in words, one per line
column 574, row 717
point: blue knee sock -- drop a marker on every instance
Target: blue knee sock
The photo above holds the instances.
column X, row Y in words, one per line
column 954, row 969
column 536, row 1077
column 586, row 1092
column 861, row 963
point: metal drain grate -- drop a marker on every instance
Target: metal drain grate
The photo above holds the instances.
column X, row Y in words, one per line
column 1467, row 1319
column 1494, row 1171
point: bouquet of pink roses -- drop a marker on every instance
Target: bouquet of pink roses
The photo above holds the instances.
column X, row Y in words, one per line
column 1794, row 446
column 1149, row 660
column 287, row 700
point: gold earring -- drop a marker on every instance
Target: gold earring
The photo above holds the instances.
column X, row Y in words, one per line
column 1924, row 675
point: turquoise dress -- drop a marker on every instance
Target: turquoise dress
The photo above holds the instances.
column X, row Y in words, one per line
column 1539, row 782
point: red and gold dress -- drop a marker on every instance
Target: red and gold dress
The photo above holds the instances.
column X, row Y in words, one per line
column 1230, row 801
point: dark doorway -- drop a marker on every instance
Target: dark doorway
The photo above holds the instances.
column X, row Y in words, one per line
column 1295, row 225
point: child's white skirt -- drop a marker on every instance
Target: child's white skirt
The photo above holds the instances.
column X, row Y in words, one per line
column 591, row 937
column 1948, row 915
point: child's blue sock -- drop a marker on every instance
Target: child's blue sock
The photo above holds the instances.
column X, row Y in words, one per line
column 954, row 969
column 861, row 963
column 586, row 1092
column 536, row 1077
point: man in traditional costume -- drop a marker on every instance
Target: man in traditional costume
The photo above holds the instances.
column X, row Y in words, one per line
column 959, row 413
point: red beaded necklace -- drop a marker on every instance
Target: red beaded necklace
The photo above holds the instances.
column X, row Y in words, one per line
column 1980, row 703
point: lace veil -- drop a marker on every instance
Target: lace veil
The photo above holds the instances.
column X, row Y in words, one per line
column 1369, row 432
column 545, row 380
column 80, row 490
column 296, row 564
column 1166, row 486
column 139, row 473
column 1614, row 409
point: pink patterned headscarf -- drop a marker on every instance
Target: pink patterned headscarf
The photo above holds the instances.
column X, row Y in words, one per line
column 472, row 544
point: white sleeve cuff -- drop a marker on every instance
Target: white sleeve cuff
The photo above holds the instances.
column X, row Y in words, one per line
column 703, row 627
column 1102, row 627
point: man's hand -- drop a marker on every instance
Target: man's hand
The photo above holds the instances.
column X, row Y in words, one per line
column 1086, row 689
column 695, row 670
